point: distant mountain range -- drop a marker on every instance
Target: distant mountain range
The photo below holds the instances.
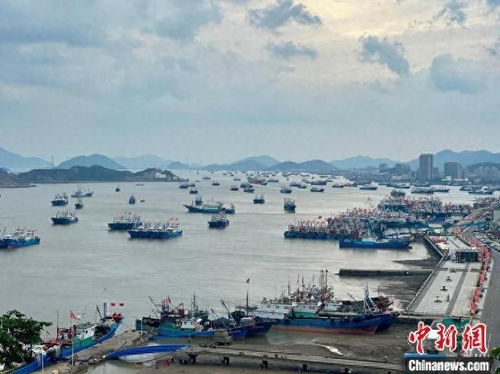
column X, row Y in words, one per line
column 95, row 174
column 142, row 162
column 361, row 162
column 466, row 158
column 95, row 159
column 14, row 161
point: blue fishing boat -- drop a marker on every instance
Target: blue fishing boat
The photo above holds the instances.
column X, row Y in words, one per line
column 259, row 199
column 210, row 207
column 368, row 187
column 69, row 341
column 218, row 221
column 156, row 230
column 125, row 222
column 64, row 218
column 317, row 189
column 314, row 309
column 374, row 243
column 79, row 204
column 61, row 199
column 131, row 199
column 289, row 205
column 20, row 238
column 285, row 189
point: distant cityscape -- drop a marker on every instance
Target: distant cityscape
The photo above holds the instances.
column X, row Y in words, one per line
column 446, row 167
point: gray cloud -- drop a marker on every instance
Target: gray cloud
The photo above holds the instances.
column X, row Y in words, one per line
column 290, row 49
column 186, row 17
column 450, row 74
column 385, row 53
column 24, row 22
column 453, row 12
column 280, row 13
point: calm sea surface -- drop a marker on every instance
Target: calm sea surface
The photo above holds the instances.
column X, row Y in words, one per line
column 78, row 266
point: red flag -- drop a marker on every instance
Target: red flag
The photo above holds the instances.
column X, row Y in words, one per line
column 73, row 316
column 113, row 304
column 122, row 304
column 248, row 280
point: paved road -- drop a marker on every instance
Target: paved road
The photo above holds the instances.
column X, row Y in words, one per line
column 491, row 310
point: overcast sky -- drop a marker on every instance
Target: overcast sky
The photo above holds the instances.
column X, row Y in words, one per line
column 216, row 81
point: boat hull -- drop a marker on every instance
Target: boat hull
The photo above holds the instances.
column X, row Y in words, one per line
column 122, row 226
column 17, row 243
column 69, row 351
column 64, row 221
column 59, row 202
column 363, row 325
column 134, row 234
column 391, row 244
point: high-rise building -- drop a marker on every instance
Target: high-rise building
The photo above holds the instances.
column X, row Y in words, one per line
column 426, row 167
column 453, row 170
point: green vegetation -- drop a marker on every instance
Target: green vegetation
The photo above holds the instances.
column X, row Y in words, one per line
column 495, row 354
column 16, row 332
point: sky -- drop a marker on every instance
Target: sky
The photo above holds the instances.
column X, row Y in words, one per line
column 216, row 81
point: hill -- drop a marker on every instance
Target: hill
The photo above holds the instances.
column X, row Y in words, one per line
column 14, row 161
column 142, row 162
column 176, row 165
column 466, row 158
column 95, row 159
column 95, row 174
column 264, row 160
column 312, row 166
column 11, row 180
column 361, row 162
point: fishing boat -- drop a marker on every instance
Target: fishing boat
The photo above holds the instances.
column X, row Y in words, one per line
column 397, row 193
column 117, row 189
column 285, row 189
column 79, row 204
column 125, row 222
column 368, row 187
column 289, row 205
column 441, row 189
column 69, row 341
column 422, row 190
column 198, row 200
column 317, row 189
column 83, row 335
column 60, row 199
column 79, row 193
column 171, row 321
column 64, row 218
column 249, row 189
column 131, row 200
column 184, row 185
column 259, row 199
column 374, row 243
column 234, row 187
column 210, row 207
column 218, row 221
column 193, row 191
column 313, row 308
column 156, row 230
column 215, row 183
column 19, row 238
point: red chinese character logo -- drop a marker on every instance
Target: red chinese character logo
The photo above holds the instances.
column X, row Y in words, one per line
column 474, row 337
column 447, row 337
column 419, row 336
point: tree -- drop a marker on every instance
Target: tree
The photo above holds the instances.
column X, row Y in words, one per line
column 495, row 354
column 16, row 333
